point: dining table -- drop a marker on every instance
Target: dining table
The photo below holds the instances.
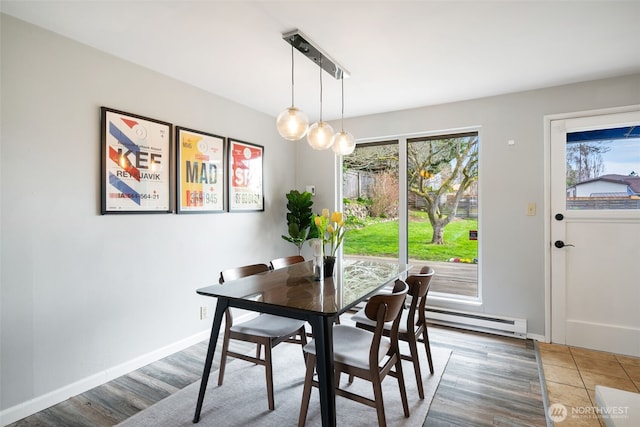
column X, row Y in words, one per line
column 293, row 292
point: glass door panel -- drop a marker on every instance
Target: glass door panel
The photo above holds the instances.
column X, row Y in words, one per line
column 370, row 201
column 442, row 203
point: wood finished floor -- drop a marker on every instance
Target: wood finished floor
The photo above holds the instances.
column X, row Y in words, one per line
column 489, row 381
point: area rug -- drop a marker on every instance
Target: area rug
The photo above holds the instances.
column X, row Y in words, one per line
column 242, row 400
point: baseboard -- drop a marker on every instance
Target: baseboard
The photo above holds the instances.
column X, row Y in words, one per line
column 481, row 322
column 54, row 397
column 536, row 337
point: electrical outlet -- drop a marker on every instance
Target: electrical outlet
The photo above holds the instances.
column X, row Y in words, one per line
column 203, row 312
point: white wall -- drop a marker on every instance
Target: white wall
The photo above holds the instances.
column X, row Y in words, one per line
column 84, row 293
column 512, row 271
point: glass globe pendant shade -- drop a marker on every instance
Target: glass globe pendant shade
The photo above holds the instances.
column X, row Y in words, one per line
column 343, row 143
column 320, row 136
column 292, row 124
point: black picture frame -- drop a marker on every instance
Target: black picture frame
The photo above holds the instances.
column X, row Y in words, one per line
column 136, row 172
column 201, row 174
column 245, row 167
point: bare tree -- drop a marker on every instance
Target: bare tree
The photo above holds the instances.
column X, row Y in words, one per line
column 584, row 161
column 438, row 168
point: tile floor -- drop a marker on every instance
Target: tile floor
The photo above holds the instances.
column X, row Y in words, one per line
column 572, row 373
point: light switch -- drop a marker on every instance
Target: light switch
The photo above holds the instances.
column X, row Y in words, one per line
column 531, row 209
column 311, row 189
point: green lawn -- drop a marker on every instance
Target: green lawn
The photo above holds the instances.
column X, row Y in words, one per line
column 381, row 239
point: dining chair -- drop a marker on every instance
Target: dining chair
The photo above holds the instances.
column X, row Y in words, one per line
column 243, row 271
column 364, row 354
column 413, row 322
column 285, row 261
column 265, row 330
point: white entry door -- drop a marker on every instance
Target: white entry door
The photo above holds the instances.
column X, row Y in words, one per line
column 595, row 232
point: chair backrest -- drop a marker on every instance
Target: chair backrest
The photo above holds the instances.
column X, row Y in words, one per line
column 285, row 261
column 419, row 283
column 418, row 289
column 238, row 272
column 393, row 302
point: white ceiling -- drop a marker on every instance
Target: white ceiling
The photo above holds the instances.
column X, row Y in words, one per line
column 401, row 54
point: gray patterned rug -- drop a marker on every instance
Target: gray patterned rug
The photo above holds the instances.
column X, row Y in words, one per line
column 242, row 400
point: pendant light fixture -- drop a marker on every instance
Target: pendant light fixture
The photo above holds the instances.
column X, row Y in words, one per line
column 292, row 123
column 320, row 135
column 343, row 142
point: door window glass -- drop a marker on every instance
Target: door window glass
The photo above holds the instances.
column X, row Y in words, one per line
column 603, row 169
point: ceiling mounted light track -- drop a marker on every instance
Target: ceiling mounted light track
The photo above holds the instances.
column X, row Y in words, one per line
column 292, row 123
column 304, row 45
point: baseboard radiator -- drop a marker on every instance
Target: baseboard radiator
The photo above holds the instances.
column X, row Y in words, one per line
column 478, row 322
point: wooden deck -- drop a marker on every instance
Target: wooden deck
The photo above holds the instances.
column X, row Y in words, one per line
column 451, row 277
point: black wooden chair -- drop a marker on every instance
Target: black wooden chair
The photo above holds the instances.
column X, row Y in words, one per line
column 265, row 330
column 364, row 354
column 285, row 261
column 413, row 322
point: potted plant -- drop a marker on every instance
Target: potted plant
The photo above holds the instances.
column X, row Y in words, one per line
column 330, row 231
column 299, row 218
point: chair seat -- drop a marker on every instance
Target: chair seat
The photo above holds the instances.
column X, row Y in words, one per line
column 268, row 325
column 351, row 346
column 360, row 317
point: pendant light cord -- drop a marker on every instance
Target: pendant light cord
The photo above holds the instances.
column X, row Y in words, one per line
column 320, row 89
column 342, row 114
column 292, row 81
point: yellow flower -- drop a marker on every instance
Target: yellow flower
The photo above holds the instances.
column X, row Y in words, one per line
column 330, row 229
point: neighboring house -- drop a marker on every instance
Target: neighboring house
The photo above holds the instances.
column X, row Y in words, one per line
column 607, row 186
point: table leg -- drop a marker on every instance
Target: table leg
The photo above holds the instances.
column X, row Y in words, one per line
column 221, row 306
column 323, row 334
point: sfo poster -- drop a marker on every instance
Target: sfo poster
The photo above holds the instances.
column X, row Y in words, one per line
column 245, row 181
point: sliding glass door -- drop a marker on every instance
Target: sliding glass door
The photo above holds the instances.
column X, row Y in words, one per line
column 416, row 200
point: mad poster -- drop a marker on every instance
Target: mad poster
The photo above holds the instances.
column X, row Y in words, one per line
column 201, row 173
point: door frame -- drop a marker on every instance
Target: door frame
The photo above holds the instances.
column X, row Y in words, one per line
column 548, row 119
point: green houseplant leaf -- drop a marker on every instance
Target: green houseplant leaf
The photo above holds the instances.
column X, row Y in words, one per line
column 299, row 217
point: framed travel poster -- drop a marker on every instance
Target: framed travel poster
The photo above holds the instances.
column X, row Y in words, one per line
column 245, row 176
column 201, row 172
column 136, row 164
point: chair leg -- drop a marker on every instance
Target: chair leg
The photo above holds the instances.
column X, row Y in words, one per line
column 306, row 391
column 377, row 397
column 413, row 348
column 269, row 374
column 403, row 389
column 427, row 346
column 223, row 358
column 303, row 342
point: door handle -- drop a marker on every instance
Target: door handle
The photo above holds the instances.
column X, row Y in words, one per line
column 560, row 244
